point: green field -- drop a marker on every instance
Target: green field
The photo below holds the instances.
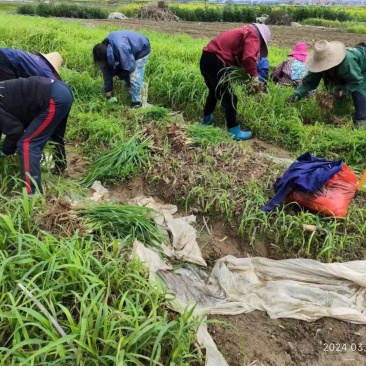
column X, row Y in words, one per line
column 80, row 270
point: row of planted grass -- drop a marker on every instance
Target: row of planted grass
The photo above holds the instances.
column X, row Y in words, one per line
column 248, row 13
column 351, row 26
column 197, row 12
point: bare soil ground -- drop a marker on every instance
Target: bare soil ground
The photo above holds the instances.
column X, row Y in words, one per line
column 283, row 36
column 255, row 339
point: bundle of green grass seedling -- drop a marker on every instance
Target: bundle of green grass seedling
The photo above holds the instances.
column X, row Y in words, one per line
column 122, row 221
column 121, row 162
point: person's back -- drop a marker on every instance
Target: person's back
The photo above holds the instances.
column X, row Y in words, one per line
column 24, row 98
column 229, row 45
column 123, row 54
column 26, row 64
column 136, row 42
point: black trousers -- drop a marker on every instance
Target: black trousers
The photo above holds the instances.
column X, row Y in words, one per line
column 213, row 70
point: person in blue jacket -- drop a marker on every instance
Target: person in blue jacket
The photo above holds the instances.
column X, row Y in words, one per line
column 123, row 54
column 16, row 64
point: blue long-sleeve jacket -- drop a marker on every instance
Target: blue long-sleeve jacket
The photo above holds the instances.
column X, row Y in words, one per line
column 124, row 48
column 26, row 64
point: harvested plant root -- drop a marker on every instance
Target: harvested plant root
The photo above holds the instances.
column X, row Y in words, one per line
column 325, row 101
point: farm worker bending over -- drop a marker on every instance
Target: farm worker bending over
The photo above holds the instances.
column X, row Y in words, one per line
column 242, row 46
column 123, row 53
column 20, row 64
column 343, row 68
column 32, row 110
column 292, row 70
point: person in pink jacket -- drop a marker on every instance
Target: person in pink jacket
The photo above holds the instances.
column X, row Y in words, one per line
column 292, row 70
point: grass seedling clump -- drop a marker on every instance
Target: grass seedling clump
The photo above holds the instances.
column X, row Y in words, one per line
column 152, row 114
column 121, row 221
column 121, row 162
column 208, row 135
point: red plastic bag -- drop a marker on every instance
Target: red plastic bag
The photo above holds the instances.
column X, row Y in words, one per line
column 333, row 197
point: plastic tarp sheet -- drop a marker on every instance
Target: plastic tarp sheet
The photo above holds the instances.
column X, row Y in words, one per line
column 292, row 288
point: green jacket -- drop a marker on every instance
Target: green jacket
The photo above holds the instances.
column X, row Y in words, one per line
column 350, row 73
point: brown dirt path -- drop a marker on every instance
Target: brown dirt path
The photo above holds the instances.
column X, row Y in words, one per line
column 281, row 35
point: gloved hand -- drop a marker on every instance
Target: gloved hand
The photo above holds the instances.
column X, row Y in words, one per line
column 291, row 99
column 2, row 155
column 112, row 100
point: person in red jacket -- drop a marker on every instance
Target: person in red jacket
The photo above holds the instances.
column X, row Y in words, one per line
column 240, row 47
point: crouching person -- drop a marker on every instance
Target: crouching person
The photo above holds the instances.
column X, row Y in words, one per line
column 123, row 54
column 34, row 111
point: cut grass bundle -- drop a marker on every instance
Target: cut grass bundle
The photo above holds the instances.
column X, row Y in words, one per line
column 121, row 162
column 121, row 221
column 208, row 135
column 152, row 114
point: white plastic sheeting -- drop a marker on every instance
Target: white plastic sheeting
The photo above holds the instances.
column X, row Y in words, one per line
column 293, row 288
column 183, row 244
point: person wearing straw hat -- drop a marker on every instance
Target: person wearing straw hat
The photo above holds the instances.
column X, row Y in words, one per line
column 32, row 110
column 342, row 68
column 20, row 64
column 236, row 47
column 16, row 64
column 292, row 70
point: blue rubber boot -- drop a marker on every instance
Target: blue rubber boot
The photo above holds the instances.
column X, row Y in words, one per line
column 238, row 134
column 207, row 120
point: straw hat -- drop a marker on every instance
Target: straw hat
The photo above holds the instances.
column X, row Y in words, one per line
column 266, row 35
column 55, row 60
column 325, row 56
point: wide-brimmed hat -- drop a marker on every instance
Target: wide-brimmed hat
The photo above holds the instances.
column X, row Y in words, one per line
column 55, row 60
column 325, row 56
column 266, row 35
column 300, row 51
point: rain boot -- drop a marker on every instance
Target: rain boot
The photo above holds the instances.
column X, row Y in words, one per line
column 238, row 134
column 207, row 120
